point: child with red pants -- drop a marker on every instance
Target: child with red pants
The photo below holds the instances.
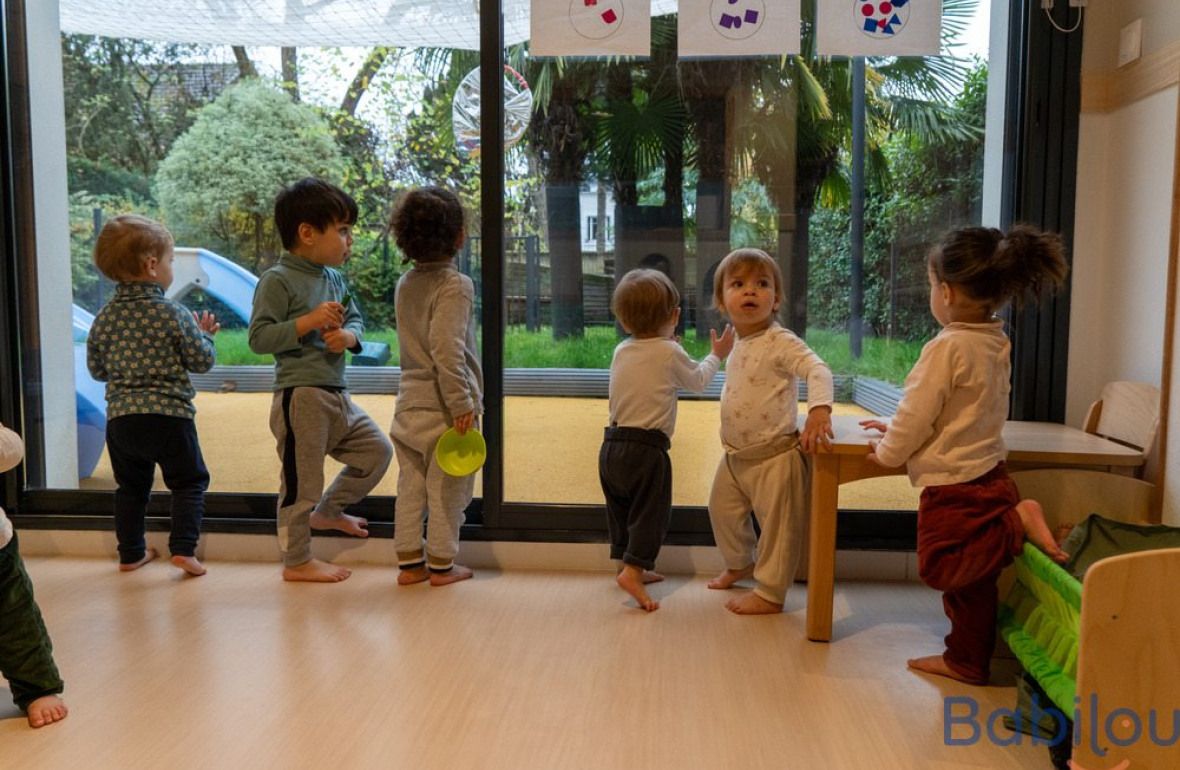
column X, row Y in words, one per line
column 971, row 520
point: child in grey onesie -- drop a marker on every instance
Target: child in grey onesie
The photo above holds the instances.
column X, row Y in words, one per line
column 441, row 385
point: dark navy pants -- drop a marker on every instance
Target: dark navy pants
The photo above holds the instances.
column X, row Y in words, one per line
column 636, row 477
column 137, row 443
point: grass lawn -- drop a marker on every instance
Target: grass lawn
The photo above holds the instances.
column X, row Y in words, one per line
column 888, row 360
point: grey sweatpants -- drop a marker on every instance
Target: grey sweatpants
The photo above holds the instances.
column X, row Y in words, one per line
column 308, row 424
column 425, row 491
column 772, row 480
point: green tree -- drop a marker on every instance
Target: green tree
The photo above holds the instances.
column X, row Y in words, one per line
column 126, row 102
column 219, row 181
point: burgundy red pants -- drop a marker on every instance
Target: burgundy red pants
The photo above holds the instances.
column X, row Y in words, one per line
column 967, row 533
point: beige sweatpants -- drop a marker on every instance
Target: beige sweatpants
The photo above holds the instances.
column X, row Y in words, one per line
column 425, row 492
column 774, row 481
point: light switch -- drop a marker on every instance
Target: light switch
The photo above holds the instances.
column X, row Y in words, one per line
column 1130, row 42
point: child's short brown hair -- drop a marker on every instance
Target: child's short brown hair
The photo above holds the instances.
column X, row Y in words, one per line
column 744, row 259
column 126, row 243
column 644, row 300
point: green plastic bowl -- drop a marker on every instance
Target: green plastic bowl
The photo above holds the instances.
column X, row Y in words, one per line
column 460, row 455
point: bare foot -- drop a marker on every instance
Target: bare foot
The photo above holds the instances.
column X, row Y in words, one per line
column 630, row 579
column 453, row 575
column 316, row 571
column 649, row 576
column 408, row 577
column 349, row 525
column 730, row 577
column 935, row 664
column 751, row 603
column 148, row 555
column 189, row 564
column 46, row 711
column 1037, row 530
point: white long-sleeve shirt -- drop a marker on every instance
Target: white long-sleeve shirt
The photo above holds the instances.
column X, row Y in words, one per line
column 948, row 426
column 644, row 376
column 760, row 400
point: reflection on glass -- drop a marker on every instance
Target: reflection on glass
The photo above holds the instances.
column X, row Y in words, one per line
column 201, row 137
column 670, row 164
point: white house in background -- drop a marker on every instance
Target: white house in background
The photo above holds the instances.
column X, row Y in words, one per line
column 588, row 206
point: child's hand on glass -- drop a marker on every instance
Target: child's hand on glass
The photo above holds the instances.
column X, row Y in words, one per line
column 338, row 340
column 724, row 344
column 326, row 315
column 817, row 431
column 206, row 322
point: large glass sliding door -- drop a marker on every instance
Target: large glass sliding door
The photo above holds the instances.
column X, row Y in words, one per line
column 602, row 165
column 669, row 163
column 199, row 127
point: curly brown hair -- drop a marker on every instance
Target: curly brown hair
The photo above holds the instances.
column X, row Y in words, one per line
column 426, row 224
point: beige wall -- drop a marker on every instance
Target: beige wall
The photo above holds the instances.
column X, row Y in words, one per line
column 1126, row 159
column 1105, row 18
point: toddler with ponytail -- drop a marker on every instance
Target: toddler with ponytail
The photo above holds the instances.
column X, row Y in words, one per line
column 947, row 431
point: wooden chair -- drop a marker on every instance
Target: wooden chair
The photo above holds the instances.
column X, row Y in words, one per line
column 1127, row 642
column 1126, row 412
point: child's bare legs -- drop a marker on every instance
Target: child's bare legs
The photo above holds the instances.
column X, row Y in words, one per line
column 46, row 710
column 349, row 525
column 631, row 579
column 730, row 577
column 936, row 664
column 1037, row 531
column 649, row 576
column 148, row 555
column 751, row 603
column 316, row 571
column 189, row 564
column 453, row 575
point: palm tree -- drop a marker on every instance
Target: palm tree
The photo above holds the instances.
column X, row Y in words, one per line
column 790, row 128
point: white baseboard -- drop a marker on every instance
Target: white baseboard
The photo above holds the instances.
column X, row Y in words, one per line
column 592, row 557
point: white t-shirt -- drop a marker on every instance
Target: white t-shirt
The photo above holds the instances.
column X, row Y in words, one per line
column 760, row 401
column 644, row 376
column 948, row 426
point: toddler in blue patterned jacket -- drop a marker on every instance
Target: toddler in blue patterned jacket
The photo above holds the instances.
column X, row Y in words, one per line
column 143, row 345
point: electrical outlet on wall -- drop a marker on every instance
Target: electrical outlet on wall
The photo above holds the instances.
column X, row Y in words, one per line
column 1047, row 4
column 1078, row 3
column 1130, row 42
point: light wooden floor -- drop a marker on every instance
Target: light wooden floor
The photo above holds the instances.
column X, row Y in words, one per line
column 510, row 670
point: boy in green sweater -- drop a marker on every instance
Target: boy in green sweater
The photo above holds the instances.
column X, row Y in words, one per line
column 298, row 316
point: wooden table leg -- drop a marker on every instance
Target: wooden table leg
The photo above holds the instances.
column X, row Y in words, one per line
column 821, row 571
